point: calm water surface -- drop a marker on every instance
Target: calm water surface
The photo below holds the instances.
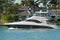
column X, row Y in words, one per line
column 18, row 34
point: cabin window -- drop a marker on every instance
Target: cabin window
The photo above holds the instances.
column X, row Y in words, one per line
column 37, row 14
column 41, row 14
column 34, row 21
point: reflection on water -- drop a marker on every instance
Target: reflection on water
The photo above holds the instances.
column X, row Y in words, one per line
column 28, row 30
column 32, row 30
column 29, row 34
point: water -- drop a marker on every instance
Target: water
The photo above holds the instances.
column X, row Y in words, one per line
column 18, row 34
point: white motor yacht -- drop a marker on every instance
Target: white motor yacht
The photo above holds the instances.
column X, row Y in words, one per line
column 38, row 20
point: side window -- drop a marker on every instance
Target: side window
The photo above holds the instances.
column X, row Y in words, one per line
column 36, row 21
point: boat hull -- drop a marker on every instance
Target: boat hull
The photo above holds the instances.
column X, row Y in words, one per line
column 28, row 26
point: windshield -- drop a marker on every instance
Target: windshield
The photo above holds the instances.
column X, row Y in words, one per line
column 34, row 21
column 42, row 14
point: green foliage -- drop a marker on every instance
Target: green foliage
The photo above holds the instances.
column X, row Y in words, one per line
column 54, row 2
column 22, row 17
column 4, row 17
column 9, row 14
column 4, row 4
column 14, row 8
column 27, row 2
column 58, row 21
column 8, row 17
column 58, row 2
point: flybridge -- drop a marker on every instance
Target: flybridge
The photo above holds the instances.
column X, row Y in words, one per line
column 42, row 13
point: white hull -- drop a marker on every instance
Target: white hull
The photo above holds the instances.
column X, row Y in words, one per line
column 24, row 24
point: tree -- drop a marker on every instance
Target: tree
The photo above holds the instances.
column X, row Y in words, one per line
column 54, row 2
column 4, row 4
column 4, row 17
column 27, row 2
column 4, row 13
column 10, row 13
column 14, row 8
